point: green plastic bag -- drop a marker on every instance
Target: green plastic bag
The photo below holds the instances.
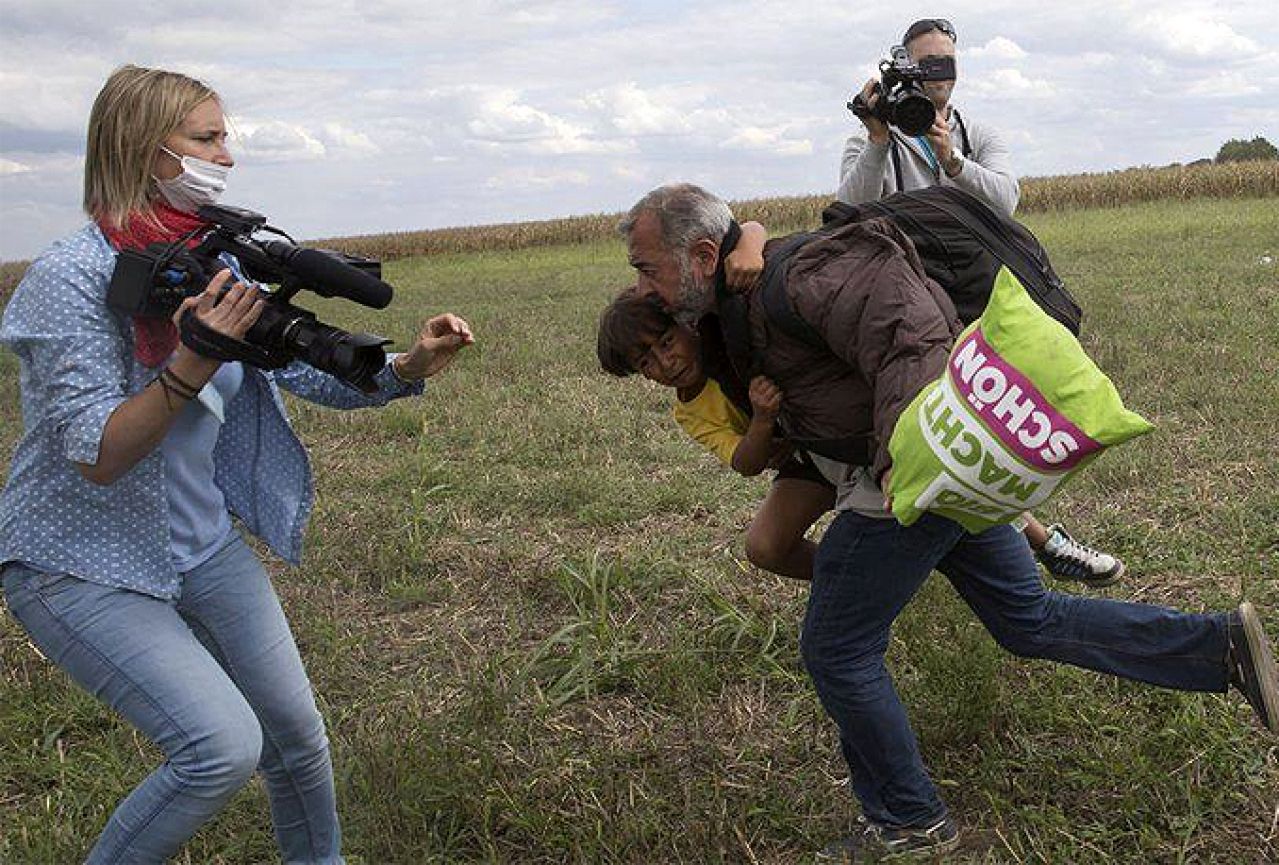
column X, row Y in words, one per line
column 1018, row 411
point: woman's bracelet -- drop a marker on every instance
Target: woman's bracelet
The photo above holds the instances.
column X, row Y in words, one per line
column 395, row 371
column 179, row 380
column 174, row 387
column 169, row 392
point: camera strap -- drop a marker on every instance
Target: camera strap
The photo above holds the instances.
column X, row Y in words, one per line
column 897, row 161
column 964, row 147
column 207, row 342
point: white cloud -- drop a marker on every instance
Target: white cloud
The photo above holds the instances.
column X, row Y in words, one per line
column 772, row 140
column 34, row 96
column 1010, row 84
column 525, row 179
column 500, row 119
column 629, row 173
column 999, row 48
column 1224, row 85
column 338, row 138
column 1095, row 60
column 279, row 142
column 8, row 166
column 633, row 111
column 1193, row 33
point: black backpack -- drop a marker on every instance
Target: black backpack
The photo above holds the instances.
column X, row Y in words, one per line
column 961, row 242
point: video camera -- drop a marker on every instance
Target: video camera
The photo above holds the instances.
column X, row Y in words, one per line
column 902, row 100
column 155, row 281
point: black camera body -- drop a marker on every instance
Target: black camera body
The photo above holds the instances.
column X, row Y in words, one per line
column 902, row 100
column 154, row 282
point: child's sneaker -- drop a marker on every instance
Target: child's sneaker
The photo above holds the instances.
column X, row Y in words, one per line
column 1067, row 559
column 1252, row 665
column 875, row 843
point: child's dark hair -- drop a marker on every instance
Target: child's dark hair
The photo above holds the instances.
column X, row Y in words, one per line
column 628, row 325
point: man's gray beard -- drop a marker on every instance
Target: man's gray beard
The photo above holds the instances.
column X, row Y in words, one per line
column 693, row 299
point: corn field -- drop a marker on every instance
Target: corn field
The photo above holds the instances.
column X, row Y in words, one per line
column 1230, row 180
column 1038, row 194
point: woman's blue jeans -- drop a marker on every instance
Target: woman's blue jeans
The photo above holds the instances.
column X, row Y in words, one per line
column 214, row 679
column 868, row 569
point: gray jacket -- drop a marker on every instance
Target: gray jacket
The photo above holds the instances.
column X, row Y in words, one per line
column 867, row 172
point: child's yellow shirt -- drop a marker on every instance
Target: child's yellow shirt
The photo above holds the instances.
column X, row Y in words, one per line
column 713, row 421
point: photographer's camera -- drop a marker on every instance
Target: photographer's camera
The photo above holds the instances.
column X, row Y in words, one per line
column 901, row 99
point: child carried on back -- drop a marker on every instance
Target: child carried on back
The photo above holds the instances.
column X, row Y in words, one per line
column 738, row 425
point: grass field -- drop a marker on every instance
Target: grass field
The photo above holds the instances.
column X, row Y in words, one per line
column 527, row 614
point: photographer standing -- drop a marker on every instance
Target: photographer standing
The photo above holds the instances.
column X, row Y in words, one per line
column 957, row 151
column 117, row 549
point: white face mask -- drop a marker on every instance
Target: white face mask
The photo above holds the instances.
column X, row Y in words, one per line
column 200, row 183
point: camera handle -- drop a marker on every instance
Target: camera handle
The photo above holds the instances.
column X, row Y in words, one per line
column 207, row 342
column 859, row 106
column 863, row 109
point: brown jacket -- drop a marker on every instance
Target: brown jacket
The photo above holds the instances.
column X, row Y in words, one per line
column 887, row 328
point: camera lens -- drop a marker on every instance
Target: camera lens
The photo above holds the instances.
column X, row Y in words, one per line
column 914, row 114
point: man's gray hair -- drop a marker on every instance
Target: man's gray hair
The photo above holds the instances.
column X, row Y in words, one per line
column 687, row 214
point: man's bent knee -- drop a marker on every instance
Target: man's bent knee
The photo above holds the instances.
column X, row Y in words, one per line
column 833, row 657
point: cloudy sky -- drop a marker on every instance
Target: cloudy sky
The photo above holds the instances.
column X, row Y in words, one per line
column 364, row 116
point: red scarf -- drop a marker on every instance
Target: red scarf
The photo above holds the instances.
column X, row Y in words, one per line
column 154, row 339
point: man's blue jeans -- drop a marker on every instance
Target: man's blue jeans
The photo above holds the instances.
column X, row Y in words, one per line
column 868, row 569
column 214, row 679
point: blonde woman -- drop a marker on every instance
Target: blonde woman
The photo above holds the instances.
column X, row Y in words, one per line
column 118, row 552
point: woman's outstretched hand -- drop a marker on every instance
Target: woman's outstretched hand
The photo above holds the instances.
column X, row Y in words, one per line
column 442, row 337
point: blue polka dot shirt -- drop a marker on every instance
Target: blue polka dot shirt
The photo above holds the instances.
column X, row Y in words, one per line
column 76, row 365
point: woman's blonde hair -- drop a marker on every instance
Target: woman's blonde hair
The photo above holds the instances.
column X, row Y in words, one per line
column 136, row 110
